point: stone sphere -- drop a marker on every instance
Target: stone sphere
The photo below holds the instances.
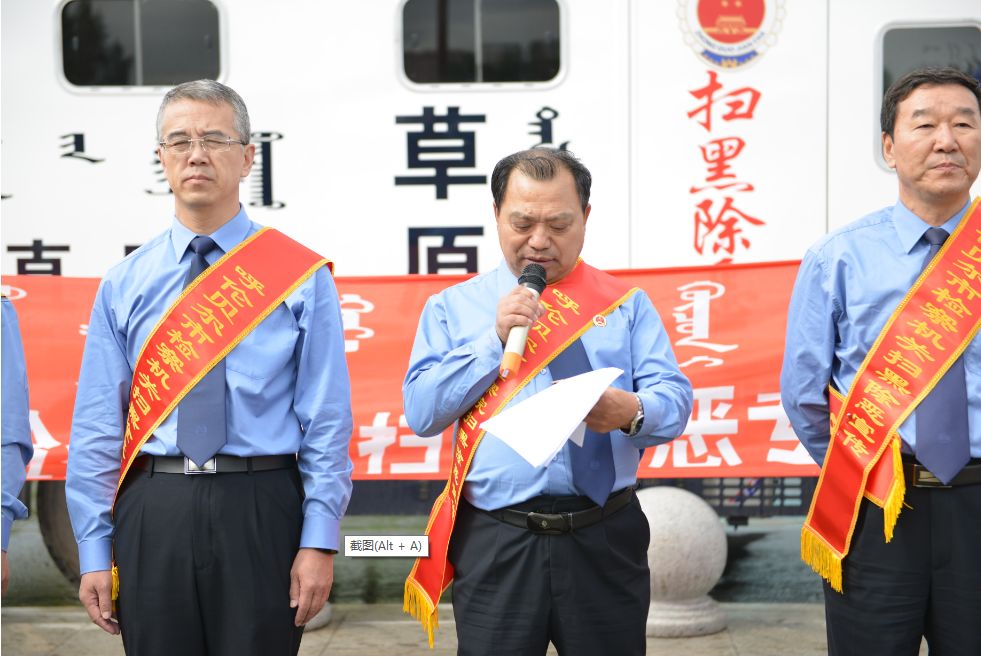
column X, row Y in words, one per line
column 687, row 556
column 688, row 544
column 321, row 619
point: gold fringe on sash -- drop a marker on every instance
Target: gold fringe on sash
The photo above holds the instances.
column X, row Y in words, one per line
column 817, row 554
column 114, row 596
column 417, row 604
column 821, row 558
column 894, row 502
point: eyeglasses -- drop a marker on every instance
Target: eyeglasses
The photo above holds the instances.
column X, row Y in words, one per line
column 208, row 145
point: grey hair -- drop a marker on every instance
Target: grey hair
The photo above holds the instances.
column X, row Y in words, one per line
column 212, row 92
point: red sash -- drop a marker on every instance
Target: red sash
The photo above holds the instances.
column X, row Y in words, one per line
column 210, row 317
column 932, row 326
column 571, row 305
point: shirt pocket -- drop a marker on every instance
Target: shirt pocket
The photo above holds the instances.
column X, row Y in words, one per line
column 268, row 349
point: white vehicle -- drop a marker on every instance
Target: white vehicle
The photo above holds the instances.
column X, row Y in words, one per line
column 716, row 130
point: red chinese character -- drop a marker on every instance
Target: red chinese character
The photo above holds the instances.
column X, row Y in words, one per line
column 722, row 230
column 717, row 154
column 742, row 102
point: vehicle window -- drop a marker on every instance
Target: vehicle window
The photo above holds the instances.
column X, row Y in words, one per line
column 480, row 40
column 908, row 48
column 139, row 42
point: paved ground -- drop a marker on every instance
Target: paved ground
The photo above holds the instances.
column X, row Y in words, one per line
column 382, row 629
column 771, row 599
column 763, row 565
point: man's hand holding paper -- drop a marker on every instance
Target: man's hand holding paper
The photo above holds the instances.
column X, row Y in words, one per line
column 539, row 426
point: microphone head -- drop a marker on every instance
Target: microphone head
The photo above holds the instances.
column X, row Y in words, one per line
column 533, row 277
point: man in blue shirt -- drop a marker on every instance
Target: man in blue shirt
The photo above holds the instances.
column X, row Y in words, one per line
column 515, row 588
column 925, row 581
column 16, row 432
column 235, row 561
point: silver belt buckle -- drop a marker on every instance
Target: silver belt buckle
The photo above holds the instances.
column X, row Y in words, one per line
column 923, row 478
column 210, row 466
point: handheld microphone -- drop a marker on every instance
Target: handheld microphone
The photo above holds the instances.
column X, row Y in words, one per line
column 533, row 278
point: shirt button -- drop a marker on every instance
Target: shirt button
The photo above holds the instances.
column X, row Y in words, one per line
column 594, row 465
column 543, row 371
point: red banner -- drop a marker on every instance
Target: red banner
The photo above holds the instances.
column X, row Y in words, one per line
column 726, row 323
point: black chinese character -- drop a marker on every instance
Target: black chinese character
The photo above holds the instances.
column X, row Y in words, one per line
column 37, row 264
column 162, row 186
column 262, row 189
column 76, row 147
column 427, row 145
column 544, row 124
column 445, row 256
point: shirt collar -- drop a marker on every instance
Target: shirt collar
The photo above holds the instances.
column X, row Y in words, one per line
column 911, row 228
column 506, row 273
column 505, row 279
column 227, row 237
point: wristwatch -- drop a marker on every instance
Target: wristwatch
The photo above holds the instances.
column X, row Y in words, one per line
column 638, row 420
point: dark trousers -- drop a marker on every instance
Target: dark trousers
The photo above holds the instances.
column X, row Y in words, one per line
column 587, row 591
column 926, row 582
column 204, row 562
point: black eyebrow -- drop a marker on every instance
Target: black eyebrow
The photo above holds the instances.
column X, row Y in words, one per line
column 969, row 111
column 182, row 134
column 556, row 217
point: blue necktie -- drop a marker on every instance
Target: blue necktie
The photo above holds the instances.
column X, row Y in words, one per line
column 201, row 414
column 942, row 442
column 592, row 464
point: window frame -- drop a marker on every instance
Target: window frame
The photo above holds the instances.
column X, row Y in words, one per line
column 483, row 86
column 154, row 90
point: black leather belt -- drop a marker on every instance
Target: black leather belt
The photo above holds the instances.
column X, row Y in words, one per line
column 219, row 464
column 562, row 523
column 918, row 476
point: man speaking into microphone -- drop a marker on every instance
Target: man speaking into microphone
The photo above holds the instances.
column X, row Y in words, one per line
column 556, row 553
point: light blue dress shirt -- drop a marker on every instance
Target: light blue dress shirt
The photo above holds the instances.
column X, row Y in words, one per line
column 16, row 427
column 848, row 286
column 287, row 389
column 456, row 357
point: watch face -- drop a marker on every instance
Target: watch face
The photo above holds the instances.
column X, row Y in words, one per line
column 638, row 419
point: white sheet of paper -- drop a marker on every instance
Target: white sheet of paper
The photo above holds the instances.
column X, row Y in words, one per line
column 538, row 427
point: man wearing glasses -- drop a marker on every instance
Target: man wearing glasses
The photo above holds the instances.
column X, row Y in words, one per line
column 209, row 467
